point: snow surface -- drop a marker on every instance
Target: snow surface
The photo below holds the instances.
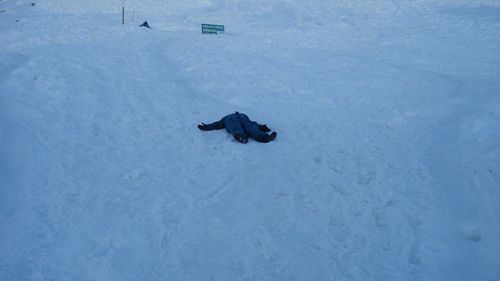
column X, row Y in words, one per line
column 386, row 165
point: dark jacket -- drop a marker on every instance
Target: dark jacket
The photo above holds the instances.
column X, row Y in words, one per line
column 241, row 127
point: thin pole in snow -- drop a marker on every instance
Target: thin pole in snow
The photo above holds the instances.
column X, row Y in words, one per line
column 123, row 15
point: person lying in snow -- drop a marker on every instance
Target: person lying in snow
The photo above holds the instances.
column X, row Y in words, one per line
column 241, row 127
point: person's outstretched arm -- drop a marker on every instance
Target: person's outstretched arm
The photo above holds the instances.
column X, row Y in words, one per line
column 213, row 126
column 263, row 128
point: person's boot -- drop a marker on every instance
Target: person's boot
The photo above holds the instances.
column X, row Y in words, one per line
column 241, row 138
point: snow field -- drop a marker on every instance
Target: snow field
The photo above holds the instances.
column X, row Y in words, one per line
column 384, row 168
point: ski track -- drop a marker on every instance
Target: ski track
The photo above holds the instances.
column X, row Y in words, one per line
column 384, row 167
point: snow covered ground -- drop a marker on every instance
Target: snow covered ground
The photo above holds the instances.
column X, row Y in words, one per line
column 386, row 165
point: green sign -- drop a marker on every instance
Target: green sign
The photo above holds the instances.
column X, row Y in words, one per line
column 212, row 29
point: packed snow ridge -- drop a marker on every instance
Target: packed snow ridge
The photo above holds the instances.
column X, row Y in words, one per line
column 386, row 165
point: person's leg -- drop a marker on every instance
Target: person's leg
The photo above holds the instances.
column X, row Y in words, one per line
column 234, row 127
